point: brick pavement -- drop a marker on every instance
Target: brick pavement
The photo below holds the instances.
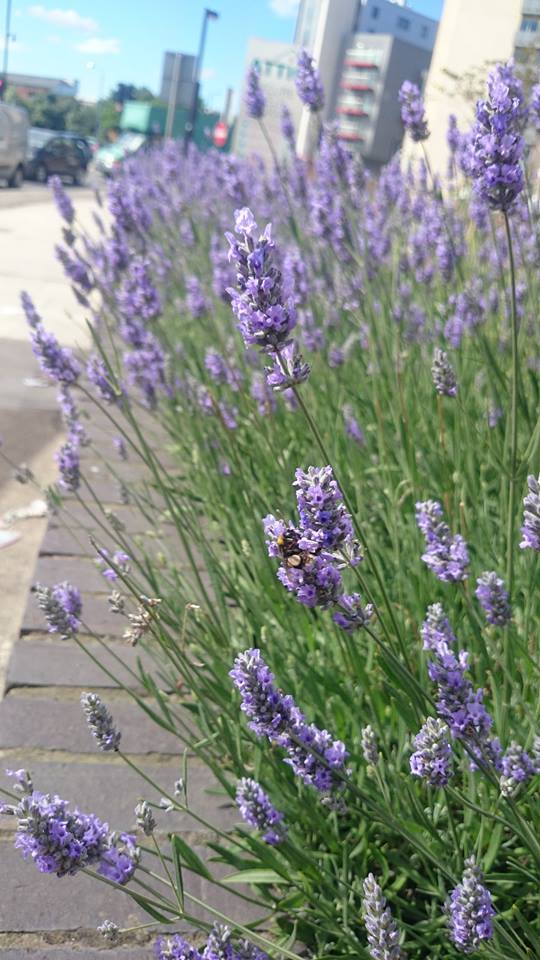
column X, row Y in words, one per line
column 42, row 729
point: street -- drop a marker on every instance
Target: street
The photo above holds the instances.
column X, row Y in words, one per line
column 30, row 427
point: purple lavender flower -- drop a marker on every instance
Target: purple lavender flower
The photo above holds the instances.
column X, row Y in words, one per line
column 175, row 948
column 138, row 298
column 33, row 318
column 63, row 202
column 535, row 104
column 442, row 373
column 453, row 136
column 413, row 114
column 312, row 753
column 145, row 368
column 287, row 127
column 265, row 316
column 76, row 270
column 255, row 99
column 257, row 809
column 120, row 859
column 497, row 145
column 382, row 930
column 530, row 530
column 97, row 373
column 68, row 460
column 288, row 370
column 353, row 615
column 317, row 583
column 263, row 395
column 100, row 722
column 432, row 759
column 517, row 768
column 62, row 606
column 308, row 83
column 446, row 555
column 493, row 599
column 470, row 911
column 196, row 301
column 57, row 362
column 352, row 427
column 324, row 517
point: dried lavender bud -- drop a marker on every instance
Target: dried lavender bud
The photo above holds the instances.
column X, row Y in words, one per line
column 145, row 818
column 432, row 759
column 257, row 809
column 517, row 767
column 443, row 375
column 382, row 930
column 141, row 620
column 369, row 746
column 493, row 599
column 100, row 722
column 23, row 474
column 110, row 931
column 23, row 781
column 470, row 911
column 117, row 602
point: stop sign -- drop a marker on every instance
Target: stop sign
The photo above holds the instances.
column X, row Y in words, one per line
column 221, row 132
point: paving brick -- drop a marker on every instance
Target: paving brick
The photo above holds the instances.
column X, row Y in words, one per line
column 43, row 662
column 85, row 572
column 33, row 901
column 56, row 723
column 75, row 952
column 109, row 788
column 59, row 541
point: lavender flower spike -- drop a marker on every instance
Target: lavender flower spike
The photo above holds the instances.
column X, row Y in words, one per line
column 323, row 514
column 470, row 911
column 312, row 753
column 63, row 202
column 382, row 930
column 432, row 759
column 175, row 948
column 497, row 144
column 370, row 750
column 56, row 361
column 412, row 111
column 530, row 530
column 62, row 607
column 446, row 555
column 258, row 810
column 517, row 768
column 493, row 599
column 352, row 615
column 442, row 373
column 255, row 99
column 100, row 722
column 308, row 83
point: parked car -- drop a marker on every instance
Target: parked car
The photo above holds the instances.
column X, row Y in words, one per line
column 13, row 140
column 110, row 156
column 50, row 152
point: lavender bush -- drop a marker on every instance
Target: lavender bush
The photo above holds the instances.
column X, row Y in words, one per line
column 330, row 383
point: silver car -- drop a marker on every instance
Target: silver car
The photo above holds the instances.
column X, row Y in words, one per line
column 13, row 137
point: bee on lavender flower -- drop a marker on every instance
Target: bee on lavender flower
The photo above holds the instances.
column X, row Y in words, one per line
column 289, row 549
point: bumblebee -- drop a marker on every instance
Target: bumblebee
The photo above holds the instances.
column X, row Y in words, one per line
column 290, row 552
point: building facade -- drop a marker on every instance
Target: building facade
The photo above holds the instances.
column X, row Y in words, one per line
column 367, row 109
column 473, row 35
column 276, row 63
column 397, row 20
column 27, row 86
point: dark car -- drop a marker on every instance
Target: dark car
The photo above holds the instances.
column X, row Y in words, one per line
column 50, row 153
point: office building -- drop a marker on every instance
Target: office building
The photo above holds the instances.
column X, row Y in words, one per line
column 27, row 86
column 397, row 20
column 276, row 63
column 367, row 108
column 473, row 35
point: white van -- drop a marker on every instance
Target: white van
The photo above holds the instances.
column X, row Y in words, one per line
column 13, row 137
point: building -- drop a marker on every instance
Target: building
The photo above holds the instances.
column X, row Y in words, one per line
column 367, row 108
column 177, row 79
column 27, row 86
column 397, row 20
column 276, row 63
column 473, row 35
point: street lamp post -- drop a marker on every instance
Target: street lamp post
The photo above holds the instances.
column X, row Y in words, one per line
column 190, row 125
column 7, row 38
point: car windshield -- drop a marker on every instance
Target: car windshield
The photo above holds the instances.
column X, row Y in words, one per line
column 38, row 138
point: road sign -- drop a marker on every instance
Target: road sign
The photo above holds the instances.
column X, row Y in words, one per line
column 221, row 132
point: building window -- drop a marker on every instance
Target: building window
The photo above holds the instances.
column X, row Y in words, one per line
column 374, row 13
column 528, row 25
column 424, row 32
column 403, row 23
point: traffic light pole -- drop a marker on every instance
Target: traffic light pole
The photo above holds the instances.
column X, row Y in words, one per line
column 7, row 37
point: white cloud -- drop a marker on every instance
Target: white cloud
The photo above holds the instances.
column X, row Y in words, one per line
column 285, row 8
column 53, row 40
column 63, row 18
column 99, row 45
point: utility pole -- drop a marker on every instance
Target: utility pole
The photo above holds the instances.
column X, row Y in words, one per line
column 190, row 125
column 173, row 90
column 7, row 38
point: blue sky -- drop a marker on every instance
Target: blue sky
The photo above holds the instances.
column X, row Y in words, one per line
column 103, row 42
